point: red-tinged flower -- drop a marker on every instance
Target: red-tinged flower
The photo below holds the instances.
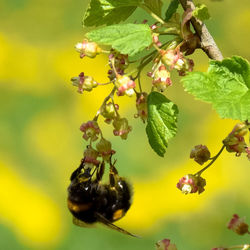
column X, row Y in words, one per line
column 173, row 58
column 90, row 157
column 142, row 107
column 161, row 78
column 235, row 141
column 121, row 127
column 165, row 245
column 200, row 153
column 86, row 48
column 91, row 130
column 219, row 248
column 125, row 86
column 238, row 225
column 104, row 148
column 191, row 184
column 84, row 82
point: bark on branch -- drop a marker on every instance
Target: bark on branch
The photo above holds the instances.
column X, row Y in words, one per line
column 208, row 44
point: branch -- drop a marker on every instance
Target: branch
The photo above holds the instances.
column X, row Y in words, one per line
column 208, row 44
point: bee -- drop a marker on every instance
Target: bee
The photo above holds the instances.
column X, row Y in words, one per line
column 90, row 201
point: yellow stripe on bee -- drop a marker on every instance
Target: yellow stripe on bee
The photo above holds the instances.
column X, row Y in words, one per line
column 118, row 214
column 74, row 207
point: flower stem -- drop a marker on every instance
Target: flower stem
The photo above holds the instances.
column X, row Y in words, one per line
column 111, row 94
column 213, row 160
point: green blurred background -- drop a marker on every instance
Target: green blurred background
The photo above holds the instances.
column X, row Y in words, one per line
column 41, row 142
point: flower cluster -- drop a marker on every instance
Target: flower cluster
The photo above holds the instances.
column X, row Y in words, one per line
column 191, row 184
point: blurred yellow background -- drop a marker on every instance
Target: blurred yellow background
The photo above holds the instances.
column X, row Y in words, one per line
column 41, row 142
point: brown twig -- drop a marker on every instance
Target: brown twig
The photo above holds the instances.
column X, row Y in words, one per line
column 208, row 44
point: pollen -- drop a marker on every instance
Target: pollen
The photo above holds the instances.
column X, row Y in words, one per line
column 118, row 214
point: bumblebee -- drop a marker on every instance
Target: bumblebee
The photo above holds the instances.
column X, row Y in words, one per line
column 90, row 201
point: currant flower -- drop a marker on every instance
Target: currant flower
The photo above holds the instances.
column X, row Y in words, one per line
column 86, row 48
column 125, row 86
column 90, row 157
column 191, row 184
column 200, row 153
column 84, row 82
column 90, row 130
column 161, row 78
column 104, row 148
column 173, row 58
column 121, row 127
column 165, row 245
column 108, row 111
column 142, row 107
column 238, row 225
column 235, row 141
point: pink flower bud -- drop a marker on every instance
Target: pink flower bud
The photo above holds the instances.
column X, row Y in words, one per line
column 121, row 127
column 238, row 225
column 165, row 245
column 90, row 130
column 191, row 184
column 200, row 153
column 90, row 49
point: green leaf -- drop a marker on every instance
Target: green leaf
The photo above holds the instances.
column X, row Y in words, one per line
column 125, row 38
column 201, row 12
column 162, row 122
column 100, row 12
column 154, row 5
column 173, row 6
column 226, row 85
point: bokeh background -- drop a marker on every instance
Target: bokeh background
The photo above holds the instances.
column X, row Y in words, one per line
column 41, row 143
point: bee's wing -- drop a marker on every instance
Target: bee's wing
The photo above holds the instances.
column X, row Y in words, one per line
column 80, row 223
column 108, row 223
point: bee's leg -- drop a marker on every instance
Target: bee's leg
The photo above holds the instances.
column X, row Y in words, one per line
column 113, row 176
column 78, row 170
column 100, row 171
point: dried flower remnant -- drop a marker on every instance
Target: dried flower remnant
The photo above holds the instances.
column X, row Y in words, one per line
column 165, row 245
column 238, row 225
column 200, row 154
